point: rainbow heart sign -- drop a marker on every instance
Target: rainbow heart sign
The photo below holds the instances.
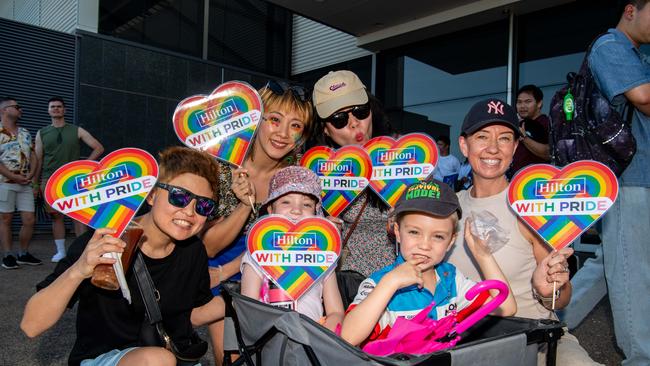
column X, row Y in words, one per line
column 560, row 204
column 396, row 164
column 344, row 174
column 102, row 194
column 222, row 123
column 294, row 255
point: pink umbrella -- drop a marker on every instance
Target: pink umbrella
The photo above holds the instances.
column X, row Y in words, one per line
column 422, row 334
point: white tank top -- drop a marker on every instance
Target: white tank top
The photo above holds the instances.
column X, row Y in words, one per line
column 516, row 258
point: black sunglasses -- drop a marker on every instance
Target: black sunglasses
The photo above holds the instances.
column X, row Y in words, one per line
column 340, row 119
column 181, row 197
column 280, row 88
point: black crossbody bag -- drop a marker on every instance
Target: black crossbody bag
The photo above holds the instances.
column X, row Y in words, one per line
column 153, row 333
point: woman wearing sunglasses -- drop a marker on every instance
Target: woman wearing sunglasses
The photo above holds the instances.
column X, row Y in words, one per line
column 349, row 115
column 108, row 327
column 280, row 136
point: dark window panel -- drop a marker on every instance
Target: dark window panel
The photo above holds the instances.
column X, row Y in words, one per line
column 170, row 24
column 251, row 34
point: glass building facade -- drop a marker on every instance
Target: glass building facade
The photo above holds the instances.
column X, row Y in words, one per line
column 436, row 80
column 250, row 34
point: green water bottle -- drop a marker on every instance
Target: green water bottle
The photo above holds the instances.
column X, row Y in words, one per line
column 569, row 105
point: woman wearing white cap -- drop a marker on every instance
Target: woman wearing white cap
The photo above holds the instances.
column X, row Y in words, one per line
column 349, row 115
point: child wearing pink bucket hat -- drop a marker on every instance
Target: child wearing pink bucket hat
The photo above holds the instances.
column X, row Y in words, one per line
column 294, row 192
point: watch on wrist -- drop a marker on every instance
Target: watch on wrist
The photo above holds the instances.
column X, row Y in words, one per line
column 546, row 301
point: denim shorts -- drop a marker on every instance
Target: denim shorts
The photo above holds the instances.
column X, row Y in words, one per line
column 110, row 358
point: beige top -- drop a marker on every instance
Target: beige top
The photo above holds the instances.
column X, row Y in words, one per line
column 516, row 258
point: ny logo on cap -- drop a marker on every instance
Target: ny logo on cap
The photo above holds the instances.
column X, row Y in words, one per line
column 497, row 106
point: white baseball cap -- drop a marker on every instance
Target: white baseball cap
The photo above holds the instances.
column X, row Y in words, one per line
column 336, row 90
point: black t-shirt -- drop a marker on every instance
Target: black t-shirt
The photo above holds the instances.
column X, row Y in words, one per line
column 106, row 321
column 538, row 130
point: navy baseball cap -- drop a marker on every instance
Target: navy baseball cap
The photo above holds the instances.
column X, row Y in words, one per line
column 487, row 112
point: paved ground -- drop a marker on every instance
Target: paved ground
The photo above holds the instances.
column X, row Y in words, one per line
column 16, row 286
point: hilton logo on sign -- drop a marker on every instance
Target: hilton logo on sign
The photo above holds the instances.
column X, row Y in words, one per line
column 334, row 167
column 217, row 113
column 561, row 187
column 295, row 240
column 396, row 156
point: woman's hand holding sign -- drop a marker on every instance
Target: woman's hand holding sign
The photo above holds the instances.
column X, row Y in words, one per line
column 102, row 242
column 553, row 268
column 242, row 187
column 552, row 273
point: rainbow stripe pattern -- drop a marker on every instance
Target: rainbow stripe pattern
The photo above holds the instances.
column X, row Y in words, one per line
column 396, row 164
column 344, row 174
column 104, row 194
column 294, row 255
column 560, row 204
column 222, row 123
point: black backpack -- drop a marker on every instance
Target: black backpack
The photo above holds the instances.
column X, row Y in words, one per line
column 596, row 132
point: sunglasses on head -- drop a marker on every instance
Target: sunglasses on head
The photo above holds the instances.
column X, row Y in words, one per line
column 181, row 197
column 280, row 88
column 340, row 119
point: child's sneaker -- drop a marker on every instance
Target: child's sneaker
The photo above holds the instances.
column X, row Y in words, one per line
column 29, row 260
column 9, row 262
column 58, row 256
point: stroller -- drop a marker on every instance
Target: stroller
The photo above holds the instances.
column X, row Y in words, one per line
column 268, row 335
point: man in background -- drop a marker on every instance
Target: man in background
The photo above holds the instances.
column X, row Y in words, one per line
column 17, row 167
column 623, row 74
column 56, row 145
column 534, row 126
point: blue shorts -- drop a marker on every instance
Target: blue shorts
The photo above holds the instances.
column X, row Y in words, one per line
column 227, row 255
column 110, row 358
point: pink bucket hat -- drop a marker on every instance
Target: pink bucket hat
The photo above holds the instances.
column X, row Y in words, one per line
column 294, row 179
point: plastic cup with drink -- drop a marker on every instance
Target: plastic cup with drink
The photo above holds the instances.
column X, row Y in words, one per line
column 106, row 276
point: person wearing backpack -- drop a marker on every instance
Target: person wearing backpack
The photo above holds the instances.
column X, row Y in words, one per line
column 623, row 76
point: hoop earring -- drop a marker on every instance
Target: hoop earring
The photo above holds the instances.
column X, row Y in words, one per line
column 292, row 156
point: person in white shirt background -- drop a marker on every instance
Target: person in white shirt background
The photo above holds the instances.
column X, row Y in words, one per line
column 448, row 165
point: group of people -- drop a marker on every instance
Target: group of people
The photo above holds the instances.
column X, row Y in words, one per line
column 430, row 254
column 25, row 167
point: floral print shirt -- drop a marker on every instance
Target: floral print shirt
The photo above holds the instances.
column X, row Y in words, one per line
column 15, row 150
column 371, row 249
column 227, row 199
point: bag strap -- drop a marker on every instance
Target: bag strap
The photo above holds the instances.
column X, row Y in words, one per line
column 628, row 109
column 584, row 67
column 344, row 244
column 150, row 297
column 147, row 290
column 354, row 224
